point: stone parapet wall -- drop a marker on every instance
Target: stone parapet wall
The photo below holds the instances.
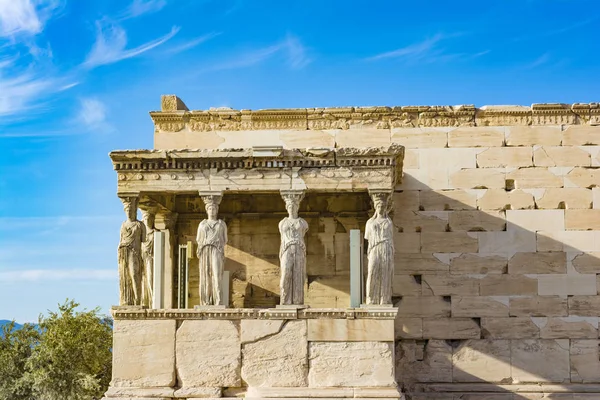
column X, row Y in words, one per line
column 497, row 242
column 284, row 352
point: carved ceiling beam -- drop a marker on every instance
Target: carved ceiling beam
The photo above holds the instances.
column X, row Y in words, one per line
column 260, row 169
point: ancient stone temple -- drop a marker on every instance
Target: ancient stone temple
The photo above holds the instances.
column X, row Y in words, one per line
column 419, row 252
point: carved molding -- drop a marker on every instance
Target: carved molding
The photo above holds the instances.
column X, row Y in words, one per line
column 343, row 169
column 175, row 117
column 129, row 312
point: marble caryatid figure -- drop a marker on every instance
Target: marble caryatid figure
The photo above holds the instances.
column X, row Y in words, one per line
column 292, row 253
column 133, row 233
column 211, row 238
column 379, row 232
column 148, row 258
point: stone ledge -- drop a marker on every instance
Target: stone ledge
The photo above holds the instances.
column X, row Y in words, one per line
column 322, row 393
column 175, row 116
column 495, row 388
column 128, row 313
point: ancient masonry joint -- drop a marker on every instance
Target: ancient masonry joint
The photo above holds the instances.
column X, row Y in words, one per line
column 478, row 276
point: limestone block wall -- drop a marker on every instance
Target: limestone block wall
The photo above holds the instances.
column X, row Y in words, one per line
column 497, row 271
column 497, row 244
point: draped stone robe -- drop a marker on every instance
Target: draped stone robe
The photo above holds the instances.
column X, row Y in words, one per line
column 148, row 271
column 133, row 233
column 292, row 257
column 211, row 238
column 379, row 232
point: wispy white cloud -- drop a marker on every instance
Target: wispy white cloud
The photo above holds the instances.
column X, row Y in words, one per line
column 21, row 91
column 290, row 47
column 296, row 52
column 429, row 50
column 26, row 76
column 413, row 51
column 192, row 43
column 34, row 275
column 541, row 60
column 111, row 43
column 44, row 223
column 25, row 16
column 92, row 113
column 140, row 7
column 567, row 28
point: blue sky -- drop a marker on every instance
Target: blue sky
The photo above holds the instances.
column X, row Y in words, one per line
column 77, row 79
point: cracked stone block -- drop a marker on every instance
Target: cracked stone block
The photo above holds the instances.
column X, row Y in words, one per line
column 482, row 361
column 255, row 329
column 278, row 360
column 208, row 353
column 540, row 360
column 358, row 364
column 143, row 353
column 585, row 361
column 422, row 361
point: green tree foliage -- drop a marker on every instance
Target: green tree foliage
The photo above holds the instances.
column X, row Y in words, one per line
column 16, row 347
column 68, row 359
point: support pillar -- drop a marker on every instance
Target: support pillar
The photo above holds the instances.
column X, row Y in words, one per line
column 159, row 270
column 166, row 222
column 356, row 269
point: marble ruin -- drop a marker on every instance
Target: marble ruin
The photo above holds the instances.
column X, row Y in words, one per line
column 292, row 254
column 211, row 239
column 415, row 252
column 131, row 271
column 379, row 232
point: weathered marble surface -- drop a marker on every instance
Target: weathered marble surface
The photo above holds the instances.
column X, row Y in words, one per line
column 144, row 354
column 211, row 238
column 379, row 232
column 292, row 253
column 277, row 360
column 335, row 364
column 133, row 233
column 208, row 354
column 148, row 259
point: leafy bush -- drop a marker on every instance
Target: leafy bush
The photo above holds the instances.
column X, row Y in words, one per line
column 68, row 356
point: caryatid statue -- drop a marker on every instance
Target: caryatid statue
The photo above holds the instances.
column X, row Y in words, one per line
column 379, row 232
column 292, row 253
column 133, row 233
column 211, row 238
column 148, row 258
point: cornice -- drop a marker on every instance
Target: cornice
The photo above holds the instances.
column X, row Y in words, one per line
column 175, row 117
column 257, row 157
column 258, row 169
column 137, row 313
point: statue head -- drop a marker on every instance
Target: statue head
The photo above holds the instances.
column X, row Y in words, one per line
column 381, row 203
column 130, row 207
column 148, row 218
column 211, row 204
column 292, row 203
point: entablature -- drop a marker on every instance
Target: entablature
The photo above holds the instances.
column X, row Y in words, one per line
column 260, row 169
column 175, row 116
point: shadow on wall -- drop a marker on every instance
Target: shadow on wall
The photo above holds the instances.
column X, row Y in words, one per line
column 496, row 289
column 252, row 253
column 495, row 294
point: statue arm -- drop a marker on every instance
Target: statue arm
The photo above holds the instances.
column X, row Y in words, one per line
column 199, row 240
column 224, row 233
column 144, row 233
column 305, row 226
